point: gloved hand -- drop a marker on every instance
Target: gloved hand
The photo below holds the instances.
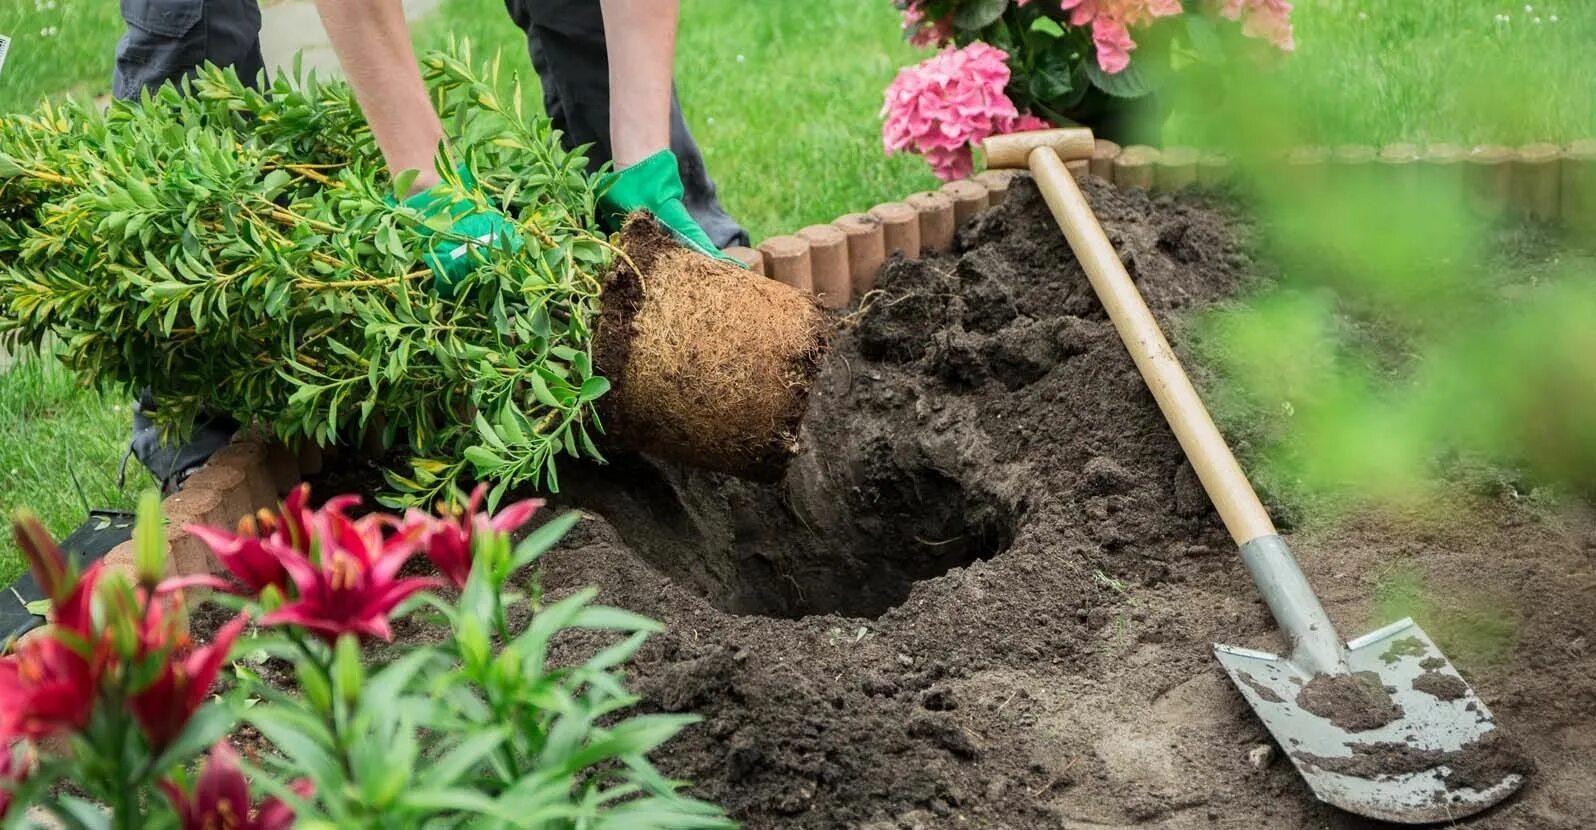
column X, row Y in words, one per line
column 461, row 234
column 654, row 185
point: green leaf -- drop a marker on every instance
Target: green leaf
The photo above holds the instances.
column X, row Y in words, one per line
column 1134, row 81
column 592, row 389
column 460, row 760
column 1047, row 25
column 461, row 800
column 614, row 619
column 483, row 459
column 402, row 184
column 78, row 814
column 539, row 541
column 301, row 739
column 487, row 432
column 205, row 728
column 540, row 390
column 975, row 15
column 1204, row 37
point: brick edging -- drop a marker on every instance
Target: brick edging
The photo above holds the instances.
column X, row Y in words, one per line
column 1543, row 181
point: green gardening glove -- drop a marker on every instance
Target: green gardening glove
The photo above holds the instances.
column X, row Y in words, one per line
column 460, row 233
column 654, row 185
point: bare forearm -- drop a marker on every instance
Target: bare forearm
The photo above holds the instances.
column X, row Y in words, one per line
column 641, row 36
column 373, row 45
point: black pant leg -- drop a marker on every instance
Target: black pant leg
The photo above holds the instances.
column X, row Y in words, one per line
column 566, row 39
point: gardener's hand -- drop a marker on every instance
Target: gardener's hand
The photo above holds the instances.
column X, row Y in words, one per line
column 654, row 185
column 460, row 234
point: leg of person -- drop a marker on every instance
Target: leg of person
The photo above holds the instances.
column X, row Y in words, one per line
column 167, row 40
column 566, row 39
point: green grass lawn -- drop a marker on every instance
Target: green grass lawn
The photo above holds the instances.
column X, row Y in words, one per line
column 57, row 46
column 783, row 97
column 59, row 438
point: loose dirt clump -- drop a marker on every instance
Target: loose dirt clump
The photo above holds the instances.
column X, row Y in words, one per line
column 1479, row 765
column 1355, row 702
column 1441, row 685
column 986, row 594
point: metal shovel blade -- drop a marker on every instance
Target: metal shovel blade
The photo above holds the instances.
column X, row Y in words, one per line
column 1440, row 757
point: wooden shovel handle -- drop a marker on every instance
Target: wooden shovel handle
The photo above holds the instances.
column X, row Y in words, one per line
column 1216, row 466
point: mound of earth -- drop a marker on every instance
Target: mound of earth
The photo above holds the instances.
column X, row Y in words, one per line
column 986, row 594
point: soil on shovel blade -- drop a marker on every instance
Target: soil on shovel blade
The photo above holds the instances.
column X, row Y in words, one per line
column 986, row 594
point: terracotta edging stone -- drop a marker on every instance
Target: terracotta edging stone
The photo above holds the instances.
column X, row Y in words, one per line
column 1103, row 154
column 1538, row 181
column 1177, row 169
column 1579, row 186
column 997, row 184
column 754, row 260
column 828, row 263
column 1136, row 166
column 867, row 249
column 1215, row 170
column 900, row 228
column 787, row 260
column 936, row 220
column 1489, row 176
column 969, row 198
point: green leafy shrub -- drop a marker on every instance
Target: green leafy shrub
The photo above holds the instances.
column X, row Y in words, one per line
column 242, row 252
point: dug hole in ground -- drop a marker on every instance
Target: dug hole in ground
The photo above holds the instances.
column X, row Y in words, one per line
column 986, row 594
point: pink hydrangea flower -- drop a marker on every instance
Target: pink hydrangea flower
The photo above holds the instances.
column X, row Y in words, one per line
column 945, row 104
column 1111, row 21
column 924, row 33
column 1265, row 19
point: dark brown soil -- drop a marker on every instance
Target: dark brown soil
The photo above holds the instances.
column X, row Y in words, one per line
column 1355, row 702
column 987, row 594
column 1440, row 685
column 1480, row 765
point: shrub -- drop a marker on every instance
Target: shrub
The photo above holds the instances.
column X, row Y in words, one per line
column 112, row 708
column 241, row 251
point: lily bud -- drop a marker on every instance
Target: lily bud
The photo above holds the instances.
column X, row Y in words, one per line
column 149, row 541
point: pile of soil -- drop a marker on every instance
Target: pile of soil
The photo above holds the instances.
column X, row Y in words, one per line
column 986, row 594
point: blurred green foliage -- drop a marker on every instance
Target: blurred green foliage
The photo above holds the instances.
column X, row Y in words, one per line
column 1410, row 327
column 1473, row 630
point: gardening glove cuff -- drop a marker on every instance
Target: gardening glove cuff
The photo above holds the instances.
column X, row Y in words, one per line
column 655, row 185
column 459, row 233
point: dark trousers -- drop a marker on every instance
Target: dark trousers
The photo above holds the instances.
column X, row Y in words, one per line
column 169, row 39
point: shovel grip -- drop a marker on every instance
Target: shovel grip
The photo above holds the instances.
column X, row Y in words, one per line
column 1227, row 486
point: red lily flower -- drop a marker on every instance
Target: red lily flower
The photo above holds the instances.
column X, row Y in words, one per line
column 446, row 540
column 253, row 554
column 352, row 586
column 46, row 688
column 165, row 706
column 221, row 798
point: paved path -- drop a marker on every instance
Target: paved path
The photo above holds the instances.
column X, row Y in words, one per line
column 293, row 26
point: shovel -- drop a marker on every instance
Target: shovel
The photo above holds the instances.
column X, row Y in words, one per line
column 1382, row 725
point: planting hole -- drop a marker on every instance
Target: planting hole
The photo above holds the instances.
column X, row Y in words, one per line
column 836, row 536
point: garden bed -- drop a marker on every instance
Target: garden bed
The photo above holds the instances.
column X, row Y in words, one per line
column 986, row 595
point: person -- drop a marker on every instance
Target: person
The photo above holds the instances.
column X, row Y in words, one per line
column 606, row 68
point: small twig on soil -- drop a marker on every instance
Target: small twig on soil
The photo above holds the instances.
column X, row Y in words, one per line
column 1057, row 779
column 1006, row 702
column 930, row 544
column 852, row 318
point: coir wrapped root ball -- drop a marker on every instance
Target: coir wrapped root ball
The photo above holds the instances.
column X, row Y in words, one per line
column 709, row 364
